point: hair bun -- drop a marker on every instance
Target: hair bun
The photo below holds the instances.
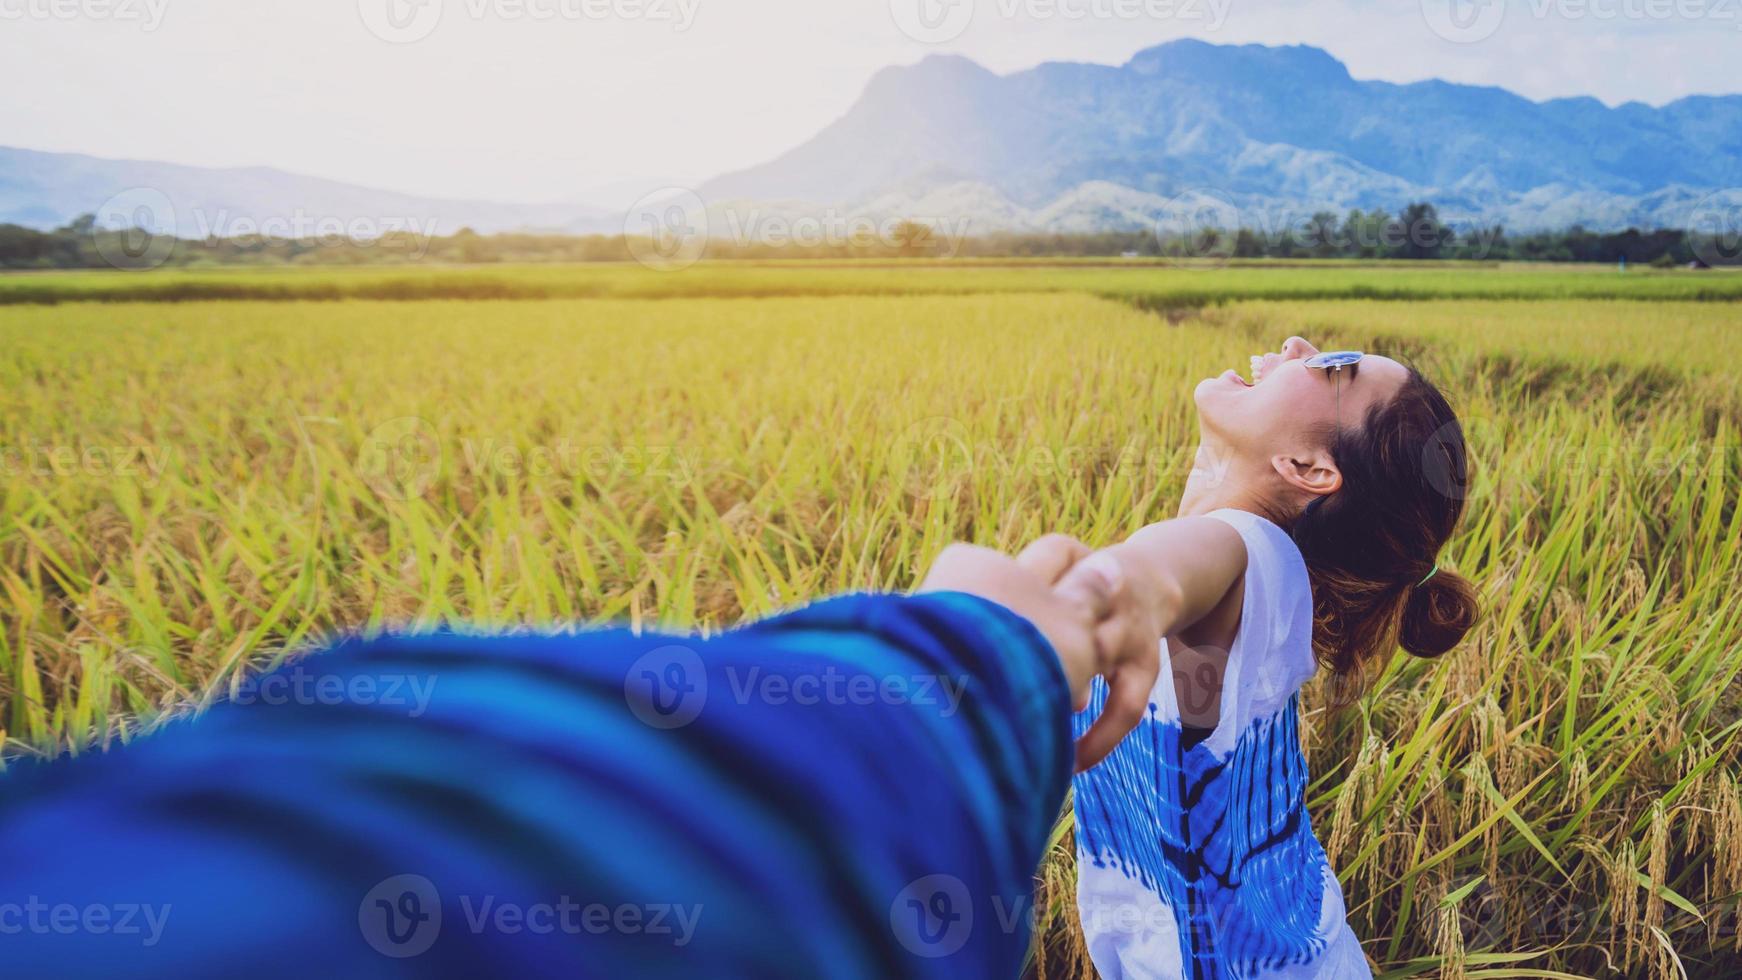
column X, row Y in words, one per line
column 1438, row 614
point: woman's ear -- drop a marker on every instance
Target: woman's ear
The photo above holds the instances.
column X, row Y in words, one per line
column 1314, row 474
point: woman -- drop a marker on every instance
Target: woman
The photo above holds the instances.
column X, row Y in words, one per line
column 1307, row 537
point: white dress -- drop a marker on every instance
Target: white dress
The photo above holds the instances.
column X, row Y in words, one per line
column 1202, row 864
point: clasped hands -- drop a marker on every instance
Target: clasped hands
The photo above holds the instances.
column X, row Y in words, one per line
column 1091, row 605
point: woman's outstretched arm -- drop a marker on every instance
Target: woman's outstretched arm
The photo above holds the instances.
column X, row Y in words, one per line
column 1171, row 575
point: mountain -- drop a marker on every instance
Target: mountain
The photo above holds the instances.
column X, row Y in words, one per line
column 47, row 190
column 1270, row 132
column 1255, row 135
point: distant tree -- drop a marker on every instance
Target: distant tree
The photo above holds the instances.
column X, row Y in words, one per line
column 1363, row 233
column 912, row 240
column 1321, row 236
column 1418, row 233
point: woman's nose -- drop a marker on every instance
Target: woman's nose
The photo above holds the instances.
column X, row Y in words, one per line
column 1295, row 347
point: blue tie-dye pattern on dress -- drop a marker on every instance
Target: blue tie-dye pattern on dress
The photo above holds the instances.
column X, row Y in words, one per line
column 1217, row 837
column 1226, row 843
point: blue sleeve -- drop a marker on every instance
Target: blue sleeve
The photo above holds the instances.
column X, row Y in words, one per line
column 860, row 788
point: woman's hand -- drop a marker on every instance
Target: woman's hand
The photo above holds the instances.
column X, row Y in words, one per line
column 1082, row 602
column 1128, row 636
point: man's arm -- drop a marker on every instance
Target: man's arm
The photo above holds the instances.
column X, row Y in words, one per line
column 863, row 787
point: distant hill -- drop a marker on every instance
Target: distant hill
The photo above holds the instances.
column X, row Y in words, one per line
column 1276, row 132
column 1254, row 135
column 47, row 190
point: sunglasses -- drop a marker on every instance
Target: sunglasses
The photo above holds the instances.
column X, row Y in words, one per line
column 1334, row 362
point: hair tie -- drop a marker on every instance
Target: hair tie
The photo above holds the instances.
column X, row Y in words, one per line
column 1430, row 574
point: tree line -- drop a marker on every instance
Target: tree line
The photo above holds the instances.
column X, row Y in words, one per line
column 1415, row 232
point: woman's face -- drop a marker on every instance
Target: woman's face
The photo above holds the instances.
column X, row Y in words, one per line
column 1287, row 407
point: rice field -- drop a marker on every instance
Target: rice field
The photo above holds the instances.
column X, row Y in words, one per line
column 196, row 488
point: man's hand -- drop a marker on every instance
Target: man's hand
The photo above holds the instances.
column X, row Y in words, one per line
column 1068, row 619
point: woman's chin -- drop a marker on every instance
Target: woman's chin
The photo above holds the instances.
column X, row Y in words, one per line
column 1210, row 391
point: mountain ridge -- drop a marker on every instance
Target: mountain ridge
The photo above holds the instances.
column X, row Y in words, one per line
column 1266, row 134
column 1269, row 128
column 44, row 189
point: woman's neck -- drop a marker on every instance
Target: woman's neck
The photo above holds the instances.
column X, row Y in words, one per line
column 1219, row 480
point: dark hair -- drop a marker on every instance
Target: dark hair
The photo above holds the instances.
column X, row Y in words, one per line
column 1370, row 545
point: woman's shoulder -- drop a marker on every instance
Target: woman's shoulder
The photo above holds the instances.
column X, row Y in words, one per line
column 1276, row 618
column 1266, row 543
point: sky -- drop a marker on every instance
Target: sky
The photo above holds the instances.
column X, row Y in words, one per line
column 588, row 100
